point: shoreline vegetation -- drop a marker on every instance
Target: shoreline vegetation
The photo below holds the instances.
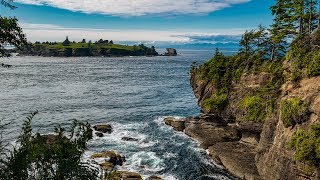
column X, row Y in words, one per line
column 101, row 48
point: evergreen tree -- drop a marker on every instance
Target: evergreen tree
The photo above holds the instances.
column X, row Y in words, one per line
column 10, row 32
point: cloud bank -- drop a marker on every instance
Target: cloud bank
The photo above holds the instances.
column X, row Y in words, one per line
column 138, row 7
column 51, row 32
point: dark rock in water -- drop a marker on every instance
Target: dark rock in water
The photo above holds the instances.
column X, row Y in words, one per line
column 99, row 134
column 124, row 175
column 154, row 178
column 177, row 124
column 170, row 52
column 111, row 156
column 238, row 158
column 129, row 139
column 105, row 128
column 107, row 166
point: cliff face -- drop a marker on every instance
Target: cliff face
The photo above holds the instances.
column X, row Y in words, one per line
column 269, row 148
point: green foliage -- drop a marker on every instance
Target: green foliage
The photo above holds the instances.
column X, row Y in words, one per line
column 307, row 145
column 10, row 33
column 100, row 48
column 55, row 156
column 219, row 70
column 216, row 102
column 314, row 65
column 255, row 107
column 293, row 111
column 7, row 4
column 304, row 57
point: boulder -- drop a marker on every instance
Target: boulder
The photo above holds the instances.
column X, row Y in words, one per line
column 209, row 134
column 99, row 134
column 129, row 139
column 124, row 175
column 177, row 124
column 105, row 128
column 171, row 52
column 237, row 158
column 111, row 156
column 107, row 166
column 154, row 178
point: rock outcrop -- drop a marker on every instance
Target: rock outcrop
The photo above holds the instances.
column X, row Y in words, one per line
column 255, row 150
column 170, row 52
column 103, row 128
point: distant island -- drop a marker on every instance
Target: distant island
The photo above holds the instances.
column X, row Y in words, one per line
column 78, row 49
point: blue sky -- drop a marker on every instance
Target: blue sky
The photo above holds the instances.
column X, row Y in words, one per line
column 182, row 21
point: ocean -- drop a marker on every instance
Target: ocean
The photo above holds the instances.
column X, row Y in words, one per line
column 133, row 94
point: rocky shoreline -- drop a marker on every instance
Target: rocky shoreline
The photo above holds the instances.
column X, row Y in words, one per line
column 229, row 144
column 109, row 160
column 254, row 149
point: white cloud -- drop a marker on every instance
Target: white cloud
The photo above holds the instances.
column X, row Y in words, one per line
column 138, row 7
column 50, row 32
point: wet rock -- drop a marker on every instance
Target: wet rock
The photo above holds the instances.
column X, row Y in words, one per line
column 107, row 166
column 99, row 134
column 154, row 178
column 104, row 128
column 124, row 175
column 209, row 134
column 177, row 124
column 111, row 156
column 237, row 158
column 129, row 139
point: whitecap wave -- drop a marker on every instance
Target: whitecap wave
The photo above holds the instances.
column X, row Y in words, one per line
column 147, row 161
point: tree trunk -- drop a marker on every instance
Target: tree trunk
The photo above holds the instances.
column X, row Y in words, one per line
column 301, row 25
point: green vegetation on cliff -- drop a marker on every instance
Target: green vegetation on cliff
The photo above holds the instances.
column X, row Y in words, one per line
column 273, row 79
column 293, row 111
column 307, row 145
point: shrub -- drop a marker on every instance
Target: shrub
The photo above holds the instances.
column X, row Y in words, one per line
column 255, row 108
column 314, row 65
column 293, row 111
column 216, row 102
column 49, row 157
column 307, row 145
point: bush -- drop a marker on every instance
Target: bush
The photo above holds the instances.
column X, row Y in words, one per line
column 314, row 65
column 293, row 111
column 255, row 108
column 216, row 102
column 55, row 156
column 307, row 145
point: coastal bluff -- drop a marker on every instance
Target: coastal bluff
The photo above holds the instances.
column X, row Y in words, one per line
column 261, row 124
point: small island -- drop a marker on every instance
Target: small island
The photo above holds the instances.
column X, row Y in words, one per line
column 100, row 48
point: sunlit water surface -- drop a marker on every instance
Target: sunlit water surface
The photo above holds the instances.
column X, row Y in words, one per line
column 133, row 94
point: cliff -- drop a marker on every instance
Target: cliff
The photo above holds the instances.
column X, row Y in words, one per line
column 263, row 119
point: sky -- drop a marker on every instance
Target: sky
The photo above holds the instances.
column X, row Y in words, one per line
column 171, row 21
